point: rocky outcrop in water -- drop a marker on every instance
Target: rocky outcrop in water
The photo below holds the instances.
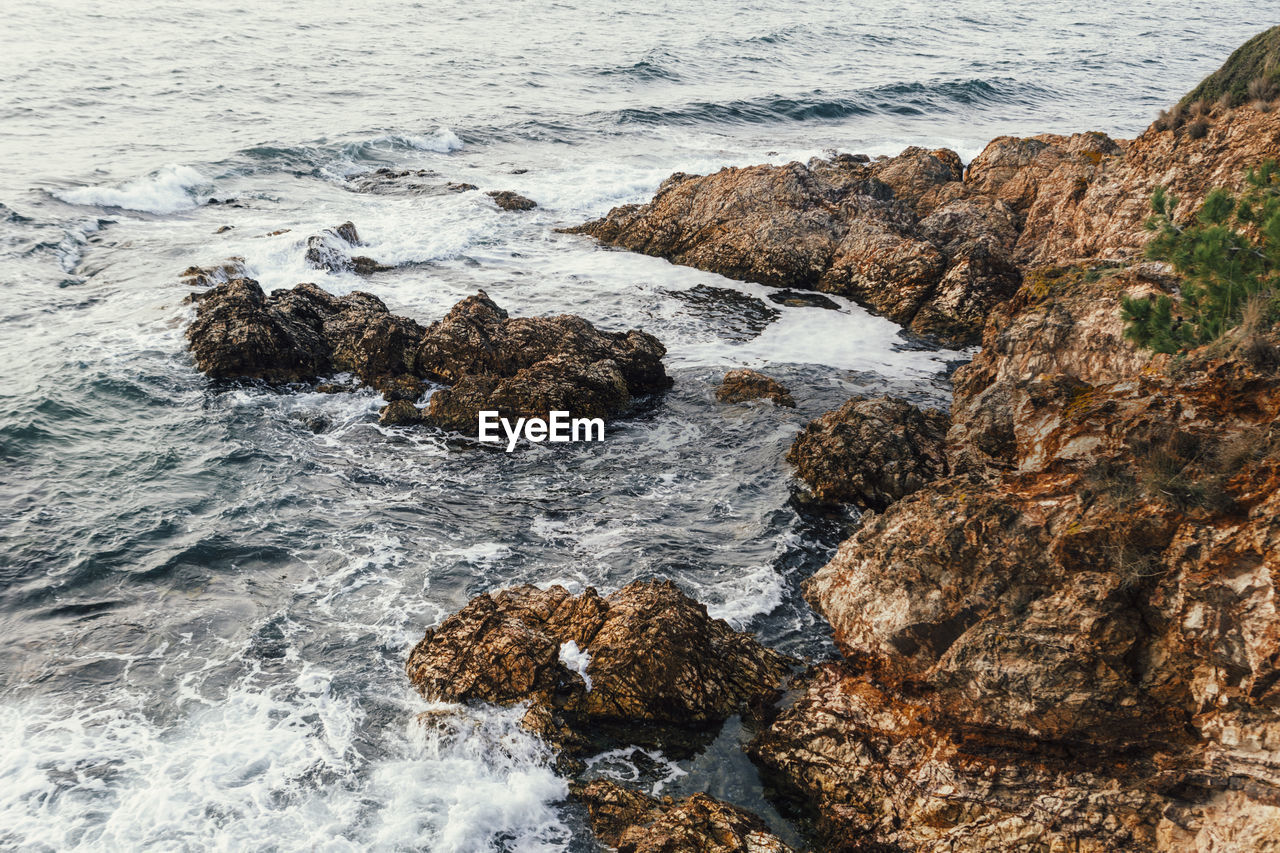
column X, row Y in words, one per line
column 331, row 250
column 1068, row 639
column 742, row 385
column 871, row 451
column 886, row 233
column 507, row 200
column 632, row 822
column 528, row 366
column 645, row 664
column 520, row 367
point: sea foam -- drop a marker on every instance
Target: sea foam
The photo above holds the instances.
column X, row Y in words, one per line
column 167, row 190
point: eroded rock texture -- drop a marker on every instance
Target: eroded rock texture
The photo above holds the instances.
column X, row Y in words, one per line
column 520, row 367
column 655, row 661
column 742, row 385
column 871, row 451
column 632, row 822
column 841, row 225
column 1071, row 641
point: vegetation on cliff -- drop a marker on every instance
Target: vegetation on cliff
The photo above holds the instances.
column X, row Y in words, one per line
column 1228, row 258
column 1255, row 64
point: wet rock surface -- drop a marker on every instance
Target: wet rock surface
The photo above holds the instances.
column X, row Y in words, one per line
column 331, row 250
column 871, row 452
column 633, row 822
column 529, row 366
column 510, row 201
column 843, row 225
column 520, row 367
column 733, row 314
column 648, row 663
column 740, row 386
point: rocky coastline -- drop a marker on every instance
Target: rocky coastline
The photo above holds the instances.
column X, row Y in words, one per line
column 1057, row 618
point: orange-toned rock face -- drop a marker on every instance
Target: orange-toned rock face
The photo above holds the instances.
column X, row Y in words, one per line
column 1075, row 637
column 1087, row 196
column 647, row 654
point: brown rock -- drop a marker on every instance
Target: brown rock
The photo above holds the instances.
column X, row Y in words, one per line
column 231, row 268
column 632, row 822
column 655, row 659
column 399, row 413
column 330, row 250
column 521, row 367
column 742, row 385
column 530, row 366
column 842, row 226
column 508, row 200
column 871, row 451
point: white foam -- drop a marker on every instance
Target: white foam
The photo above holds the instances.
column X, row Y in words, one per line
column 750, row 593
column 264, row 766
column 166, row 190
column 576, row 660
column 442, row 141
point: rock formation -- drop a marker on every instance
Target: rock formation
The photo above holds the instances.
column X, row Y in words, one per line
column 529, row 366
column 1068, row 639
column 646, row 661
column 632, row 822
column 894, row 234
column 871, row 451
column 742, row 385
column 331, row 250
column 508, row 200
column 521, row 367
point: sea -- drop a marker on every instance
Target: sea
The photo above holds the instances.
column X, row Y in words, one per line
column 208, row 590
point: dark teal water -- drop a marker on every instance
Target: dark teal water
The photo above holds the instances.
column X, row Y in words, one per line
column 206, row 594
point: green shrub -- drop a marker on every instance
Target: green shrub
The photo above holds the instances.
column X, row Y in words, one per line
column 1229, row 260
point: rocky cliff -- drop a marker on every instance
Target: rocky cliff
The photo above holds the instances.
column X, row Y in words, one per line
column 1071, row 641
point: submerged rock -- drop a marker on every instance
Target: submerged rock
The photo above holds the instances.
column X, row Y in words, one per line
column 803, row 299
column 632, row 822
column 734, row 315
column 520, row 367
column 742, row 385
column 653, row 664
column 871, row 451
column 508, row 200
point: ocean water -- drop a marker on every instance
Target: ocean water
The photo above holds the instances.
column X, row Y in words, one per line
column 207, row 591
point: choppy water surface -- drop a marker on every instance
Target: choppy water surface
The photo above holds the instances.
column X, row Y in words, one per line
column 207, row 593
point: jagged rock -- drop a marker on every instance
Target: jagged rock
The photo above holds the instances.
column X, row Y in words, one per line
column 742, row 385
column 841, row 226
column 399, row 413
column 330, row 250
column 646, row 657
column 460, row 187
column 1052, row 646
column 632, row 822
column 297, row 335
column 865, row 770
column 521, row 367
column 508, row 200
column 871, row 451
column 532, row 365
